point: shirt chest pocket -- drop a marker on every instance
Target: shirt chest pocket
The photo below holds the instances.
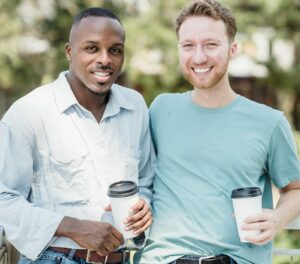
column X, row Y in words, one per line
column 70, row 181
column 130, row 160
column 69, row 168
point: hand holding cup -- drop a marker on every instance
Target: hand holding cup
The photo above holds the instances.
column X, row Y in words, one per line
column 246, row 202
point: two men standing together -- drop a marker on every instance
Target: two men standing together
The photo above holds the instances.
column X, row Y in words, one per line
column 75, row 136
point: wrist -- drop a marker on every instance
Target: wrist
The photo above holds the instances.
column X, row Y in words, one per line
column 67, row 227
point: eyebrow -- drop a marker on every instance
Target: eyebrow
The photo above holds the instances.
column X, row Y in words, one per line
column 204, row 40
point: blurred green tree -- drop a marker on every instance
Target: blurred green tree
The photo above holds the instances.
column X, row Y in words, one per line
column 33, row 36
column 283, row 17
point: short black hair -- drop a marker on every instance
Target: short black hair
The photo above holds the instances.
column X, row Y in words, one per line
column 94, row 12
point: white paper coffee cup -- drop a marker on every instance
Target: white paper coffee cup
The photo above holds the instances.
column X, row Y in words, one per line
column 246, row 202
column 123, row 196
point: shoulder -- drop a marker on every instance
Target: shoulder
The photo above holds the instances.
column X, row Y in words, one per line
column 167, row 100
column 128, row 96
column 127, row 92
column 261, row 112
column 34, row 99
column 26, row 111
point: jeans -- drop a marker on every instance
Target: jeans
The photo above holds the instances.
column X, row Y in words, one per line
column 53, row 257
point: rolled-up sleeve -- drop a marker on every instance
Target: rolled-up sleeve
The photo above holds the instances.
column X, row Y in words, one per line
column 29, row 228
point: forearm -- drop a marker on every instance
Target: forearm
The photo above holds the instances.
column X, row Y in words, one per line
column 95, row 235
column 288, row 206
column 67, row 227
column 29, row 228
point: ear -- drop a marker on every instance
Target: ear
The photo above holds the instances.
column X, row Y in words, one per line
column 233, row 49
column 68, row 51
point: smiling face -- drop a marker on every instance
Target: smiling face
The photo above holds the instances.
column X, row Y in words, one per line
column 204, row 51
column 96, row 54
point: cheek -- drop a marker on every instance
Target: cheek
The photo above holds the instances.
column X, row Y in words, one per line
column 183, row 59
column 120, row 63
column 223, row 54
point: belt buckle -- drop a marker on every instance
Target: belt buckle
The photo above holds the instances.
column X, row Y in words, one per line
column 203, row 258
column 88, row 256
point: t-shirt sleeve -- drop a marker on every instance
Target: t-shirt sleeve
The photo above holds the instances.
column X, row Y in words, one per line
column 283, row 163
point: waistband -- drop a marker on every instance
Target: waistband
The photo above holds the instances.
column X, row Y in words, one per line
column 220, row 259
column 93, row 257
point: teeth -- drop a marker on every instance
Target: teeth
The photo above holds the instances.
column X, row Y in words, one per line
column 201, row 70
column 101, row 74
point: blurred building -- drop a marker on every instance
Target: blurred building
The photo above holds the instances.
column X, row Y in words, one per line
column 249, row 71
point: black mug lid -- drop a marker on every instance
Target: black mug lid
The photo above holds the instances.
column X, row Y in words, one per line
column 122, row 189
column 246, row 192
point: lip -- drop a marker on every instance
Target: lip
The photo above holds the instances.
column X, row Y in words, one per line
column 202, row 70
column 102, row 76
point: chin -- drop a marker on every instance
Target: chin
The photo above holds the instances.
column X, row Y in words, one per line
column 203, row 86
column 101, row 89
column 100, row 93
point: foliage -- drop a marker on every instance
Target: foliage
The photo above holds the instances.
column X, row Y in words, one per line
column 152, row 35
column 27, row 26
column 150, row 38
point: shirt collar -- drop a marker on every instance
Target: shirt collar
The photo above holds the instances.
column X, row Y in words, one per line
column 65, row 97
column 63, row 93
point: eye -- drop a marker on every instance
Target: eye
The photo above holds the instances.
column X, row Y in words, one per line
column 116, row 51
column 187, row 46
column 211, row 44
column 91, row 49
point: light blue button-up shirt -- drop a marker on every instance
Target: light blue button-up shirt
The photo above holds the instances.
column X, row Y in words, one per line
column 56, row 160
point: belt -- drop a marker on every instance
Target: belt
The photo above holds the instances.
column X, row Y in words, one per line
column 115, row 257
column 220, row 259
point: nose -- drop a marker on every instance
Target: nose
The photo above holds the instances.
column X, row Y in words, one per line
column 199, row 55
column 104, row 58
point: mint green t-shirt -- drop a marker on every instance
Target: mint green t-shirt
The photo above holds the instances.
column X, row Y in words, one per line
column 202, row 155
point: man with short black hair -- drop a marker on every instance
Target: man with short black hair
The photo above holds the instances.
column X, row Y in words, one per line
column 64, row 143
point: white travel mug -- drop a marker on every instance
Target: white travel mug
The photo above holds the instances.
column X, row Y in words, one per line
column 246, row 202
column 123, row 196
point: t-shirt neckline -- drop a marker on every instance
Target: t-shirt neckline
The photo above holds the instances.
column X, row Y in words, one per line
column 231, row 104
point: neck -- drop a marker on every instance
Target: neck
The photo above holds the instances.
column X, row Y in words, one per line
column 214, row 97
column 92, row 102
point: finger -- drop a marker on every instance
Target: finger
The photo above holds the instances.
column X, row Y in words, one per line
column 143, row 208
column 109, row 247
column 137, row 216
column 114, row 242
column 261, row 239
column 138, row 206
column 108, row 208
column 140, row 224
column 258, row 226
column 144, row 228
column 118, row 236
column 102, row 252
column 265, row 216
